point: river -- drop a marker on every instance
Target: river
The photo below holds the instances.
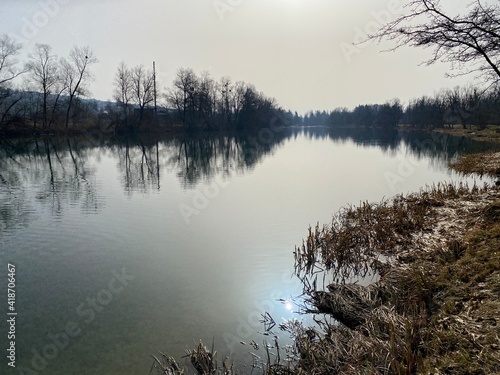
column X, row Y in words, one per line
column 127, row 246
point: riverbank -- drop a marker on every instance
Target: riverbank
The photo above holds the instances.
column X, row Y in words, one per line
column 487, row 163
column 435, row 306
column 489, row 134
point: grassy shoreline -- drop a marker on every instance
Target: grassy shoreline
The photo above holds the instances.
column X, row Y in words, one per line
column 486, row 163
column 435, row 307
column 489, row 134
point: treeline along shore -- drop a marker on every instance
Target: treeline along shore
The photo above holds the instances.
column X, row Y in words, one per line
column 48, row 95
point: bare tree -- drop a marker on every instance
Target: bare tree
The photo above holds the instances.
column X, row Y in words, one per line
column 124, row 88
column 182, row 95
column 471, row 42
column 76, row 74
column 225, row 92
column 9, row 49
column 9, row 99
column 238, row 99
column 207, row 99
column 464, row 105
column 142, row 81
column 44, row 75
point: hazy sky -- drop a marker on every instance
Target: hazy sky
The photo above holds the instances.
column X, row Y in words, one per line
column 293, row 50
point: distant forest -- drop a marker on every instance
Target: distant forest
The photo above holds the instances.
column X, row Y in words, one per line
column 49, row 95
column 466, row 106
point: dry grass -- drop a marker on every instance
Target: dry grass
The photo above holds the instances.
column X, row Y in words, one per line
column 277, row 361
column 489, row 134
column 203, row 360
column 436, row 306
column 361, row 239
column 483, row 164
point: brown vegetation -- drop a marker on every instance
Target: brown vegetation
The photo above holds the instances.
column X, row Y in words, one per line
column 483, row 164
column 488, row 134
column 434, row 308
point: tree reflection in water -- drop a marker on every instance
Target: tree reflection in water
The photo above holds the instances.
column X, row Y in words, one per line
column 55, row 173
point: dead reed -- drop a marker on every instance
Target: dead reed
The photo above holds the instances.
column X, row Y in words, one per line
column 360, row 239
column 482, row 164
column 203, row 360
column 421, row 245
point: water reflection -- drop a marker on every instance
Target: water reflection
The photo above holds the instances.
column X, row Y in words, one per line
column 193, row 157
column 138, row 164
column 63, row 172
column 441, row 149
column 58, row 172
column 419, row 142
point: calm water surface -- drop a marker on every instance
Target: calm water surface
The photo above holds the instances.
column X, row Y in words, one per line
column 140, row 245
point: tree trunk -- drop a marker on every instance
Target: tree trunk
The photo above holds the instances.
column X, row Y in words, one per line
column 69, row 110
